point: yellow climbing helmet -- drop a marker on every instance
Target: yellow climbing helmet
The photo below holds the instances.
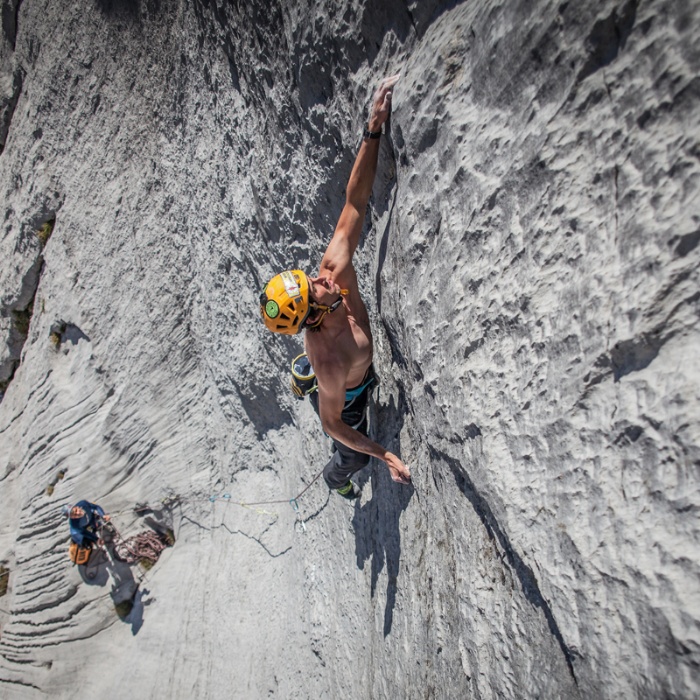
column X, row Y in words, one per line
column 284, row 302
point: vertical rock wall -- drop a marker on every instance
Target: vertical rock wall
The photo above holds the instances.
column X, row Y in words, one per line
column 531, row 265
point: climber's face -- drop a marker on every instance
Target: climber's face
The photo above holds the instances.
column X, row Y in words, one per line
column 322, row 290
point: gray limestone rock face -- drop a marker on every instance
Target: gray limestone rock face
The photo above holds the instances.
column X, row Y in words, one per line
column 530, row 263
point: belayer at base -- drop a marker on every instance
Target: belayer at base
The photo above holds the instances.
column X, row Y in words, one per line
column 339, row 340
column 85, row 520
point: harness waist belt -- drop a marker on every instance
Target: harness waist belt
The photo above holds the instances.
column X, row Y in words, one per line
column 352, row 394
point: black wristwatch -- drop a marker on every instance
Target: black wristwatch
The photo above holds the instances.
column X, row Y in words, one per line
column 367, row 134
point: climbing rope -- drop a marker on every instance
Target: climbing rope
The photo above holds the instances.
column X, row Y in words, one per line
column 292, row 501
column 149, row 546
column 144, row 545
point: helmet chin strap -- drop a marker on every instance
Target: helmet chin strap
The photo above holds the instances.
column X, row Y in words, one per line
column 326, row 309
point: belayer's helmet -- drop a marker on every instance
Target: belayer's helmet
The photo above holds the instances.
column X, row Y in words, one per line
column 284, row 302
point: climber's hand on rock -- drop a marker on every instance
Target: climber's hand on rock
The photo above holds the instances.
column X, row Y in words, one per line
column 398, row 470
column 381, row 105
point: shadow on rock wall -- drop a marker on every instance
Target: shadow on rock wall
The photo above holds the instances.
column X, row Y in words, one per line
column 125, row 594
column 377, row 522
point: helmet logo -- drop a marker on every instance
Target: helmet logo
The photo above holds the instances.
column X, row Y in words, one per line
column 272, row 309
column 290, row 284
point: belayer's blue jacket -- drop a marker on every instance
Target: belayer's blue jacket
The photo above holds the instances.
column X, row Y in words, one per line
column 85, row 528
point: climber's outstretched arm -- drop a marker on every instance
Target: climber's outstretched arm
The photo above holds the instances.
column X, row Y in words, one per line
column 337, row 261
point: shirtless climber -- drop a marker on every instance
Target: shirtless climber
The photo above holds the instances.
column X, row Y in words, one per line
column 339, row 340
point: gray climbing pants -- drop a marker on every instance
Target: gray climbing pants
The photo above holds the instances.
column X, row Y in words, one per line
column 346, row 461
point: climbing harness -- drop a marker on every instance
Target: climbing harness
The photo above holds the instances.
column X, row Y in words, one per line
column 370, row 380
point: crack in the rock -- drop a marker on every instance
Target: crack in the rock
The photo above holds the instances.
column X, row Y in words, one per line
column 10, row 21
column 616, row 173
column 45, row 606
column 30, row 534
column 410, row 17
column 58, row 577
column 9, row 108
column 9, row 634
column 319, row 511
column 237, row 532
column 22, row 683
column 255, row 539
column 54, row 622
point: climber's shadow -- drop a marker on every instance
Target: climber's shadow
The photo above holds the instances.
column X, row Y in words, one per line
column 95, row 573
column 102, row 567
column 377, row 522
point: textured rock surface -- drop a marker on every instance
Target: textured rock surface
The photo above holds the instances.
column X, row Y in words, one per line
column 532, row 268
